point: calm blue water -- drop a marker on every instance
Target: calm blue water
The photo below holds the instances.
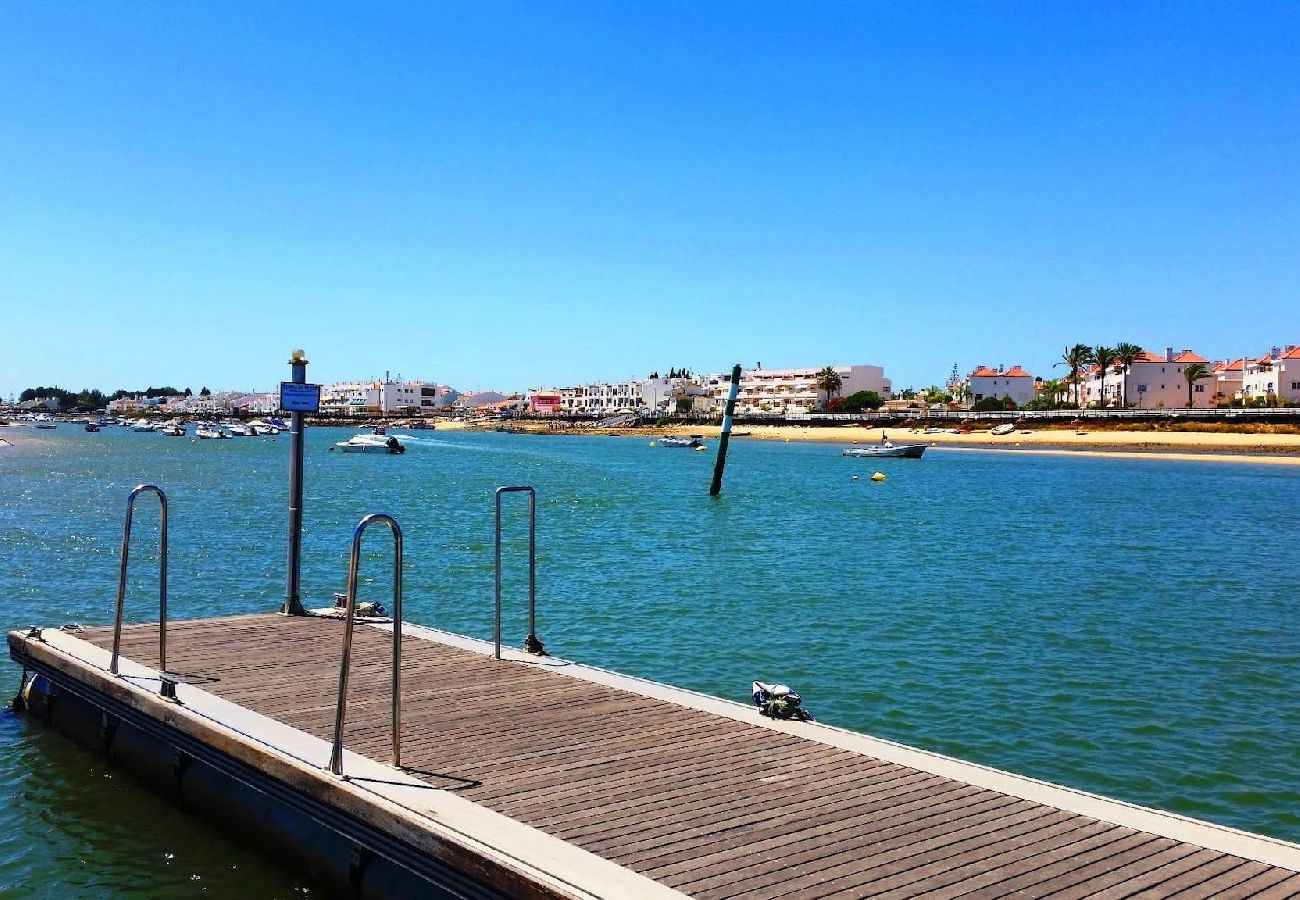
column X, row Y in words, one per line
column 1126, row 627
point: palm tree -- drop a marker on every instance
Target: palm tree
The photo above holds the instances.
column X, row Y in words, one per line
column 1104, row 357
column 1125, row 355
column 1194, row 373
column 1053, row 388
column 1076, row 358
column 829, row 381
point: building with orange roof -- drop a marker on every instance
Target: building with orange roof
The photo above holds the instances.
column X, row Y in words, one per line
column 1014, row 382
column 1227, row 379
column 1274, row 377
column 1153, row 381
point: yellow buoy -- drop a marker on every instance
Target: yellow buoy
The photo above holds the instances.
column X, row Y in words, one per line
column 878, row 476
column 653, row 444
column 701, row 448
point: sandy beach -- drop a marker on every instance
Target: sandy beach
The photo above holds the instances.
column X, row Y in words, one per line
column 1203, row 446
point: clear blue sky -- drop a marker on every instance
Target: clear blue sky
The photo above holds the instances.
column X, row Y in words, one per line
column 510, row 195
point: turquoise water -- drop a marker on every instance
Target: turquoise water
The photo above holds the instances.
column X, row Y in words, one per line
column 1124, row 626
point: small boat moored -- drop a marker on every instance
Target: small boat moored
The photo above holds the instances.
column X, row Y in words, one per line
column 887, row 450
column 370, row 443
column 1004, row 429
column 681, row 442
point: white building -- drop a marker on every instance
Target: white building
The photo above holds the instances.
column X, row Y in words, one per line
column 405, row 397
column 791, row 391
column 601, row 398
column 1275, row 376
column 997, row 383
column 1151, row 382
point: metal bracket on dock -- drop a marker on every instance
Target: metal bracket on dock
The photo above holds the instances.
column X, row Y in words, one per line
column 167, row 688
column 531, row 643
column 336, row 754
column 162, row 576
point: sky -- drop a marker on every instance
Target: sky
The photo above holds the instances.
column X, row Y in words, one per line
column 512, row 195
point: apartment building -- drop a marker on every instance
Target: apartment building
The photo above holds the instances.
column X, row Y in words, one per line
column 1275, row 376
column 792, row 391
column 375, row 396
column 1151, row 382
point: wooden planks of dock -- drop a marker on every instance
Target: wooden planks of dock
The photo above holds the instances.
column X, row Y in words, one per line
column 701, row 796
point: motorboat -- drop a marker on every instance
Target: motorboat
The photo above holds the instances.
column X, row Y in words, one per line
column 887, row 449
column 45, row 422
column 173, row 430
column 681, row 442
column 370, row 443
column 142, row 425
column 211, row 433
column 91, row 426
column 239, row 429
column 263, row 428
column 1004, row 429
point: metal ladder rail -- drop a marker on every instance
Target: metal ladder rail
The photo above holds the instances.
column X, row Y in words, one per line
column 531, row 643
column 162, row 576
column 336, row 754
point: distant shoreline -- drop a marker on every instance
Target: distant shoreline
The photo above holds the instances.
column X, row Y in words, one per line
column 1195, row 446
column 1267, row 448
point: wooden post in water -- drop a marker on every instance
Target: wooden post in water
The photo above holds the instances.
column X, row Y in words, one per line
column 721, row 462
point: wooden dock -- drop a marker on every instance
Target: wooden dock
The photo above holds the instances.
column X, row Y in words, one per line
column 541, row 777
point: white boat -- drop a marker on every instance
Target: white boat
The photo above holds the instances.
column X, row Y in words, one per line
column 173, row 430
column 210, row 433
column 142, row 425
column 887, row 449
column 370, row 443
column 239, row 429
column 45, row 423
column 1004, row 429
column 680, row 442
column 263, row 428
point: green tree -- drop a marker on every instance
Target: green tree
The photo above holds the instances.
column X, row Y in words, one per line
column 935, row 394
column 1125, row 355
column 1075, row 358
column 829, row 381
column 1104, row 357
column 1194, row 373
column 860, row 400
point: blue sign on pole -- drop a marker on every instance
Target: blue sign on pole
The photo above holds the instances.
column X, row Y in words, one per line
column 303, row 398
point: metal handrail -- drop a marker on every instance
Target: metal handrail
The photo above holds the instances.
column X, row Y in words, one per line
column 336, row 754
column 531, row 643
column 162, row 576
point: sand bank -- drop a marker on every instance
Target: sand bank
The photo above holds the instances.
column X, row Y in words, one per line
column 1195, row 445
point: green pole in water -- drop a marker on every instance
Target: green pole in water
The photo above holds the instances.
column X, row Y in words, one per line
column 721, row 462
column 292, row 597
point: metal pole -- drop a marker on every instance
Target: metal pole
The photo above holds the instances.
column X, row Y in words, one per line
column 724, row 438
column 532, row 573
column 162, row 575
column 292, row 594
column 496, row 620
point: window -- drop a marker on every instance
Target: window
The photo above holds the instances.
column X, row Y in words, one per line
column 1295, row 385
column 1200, row 389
